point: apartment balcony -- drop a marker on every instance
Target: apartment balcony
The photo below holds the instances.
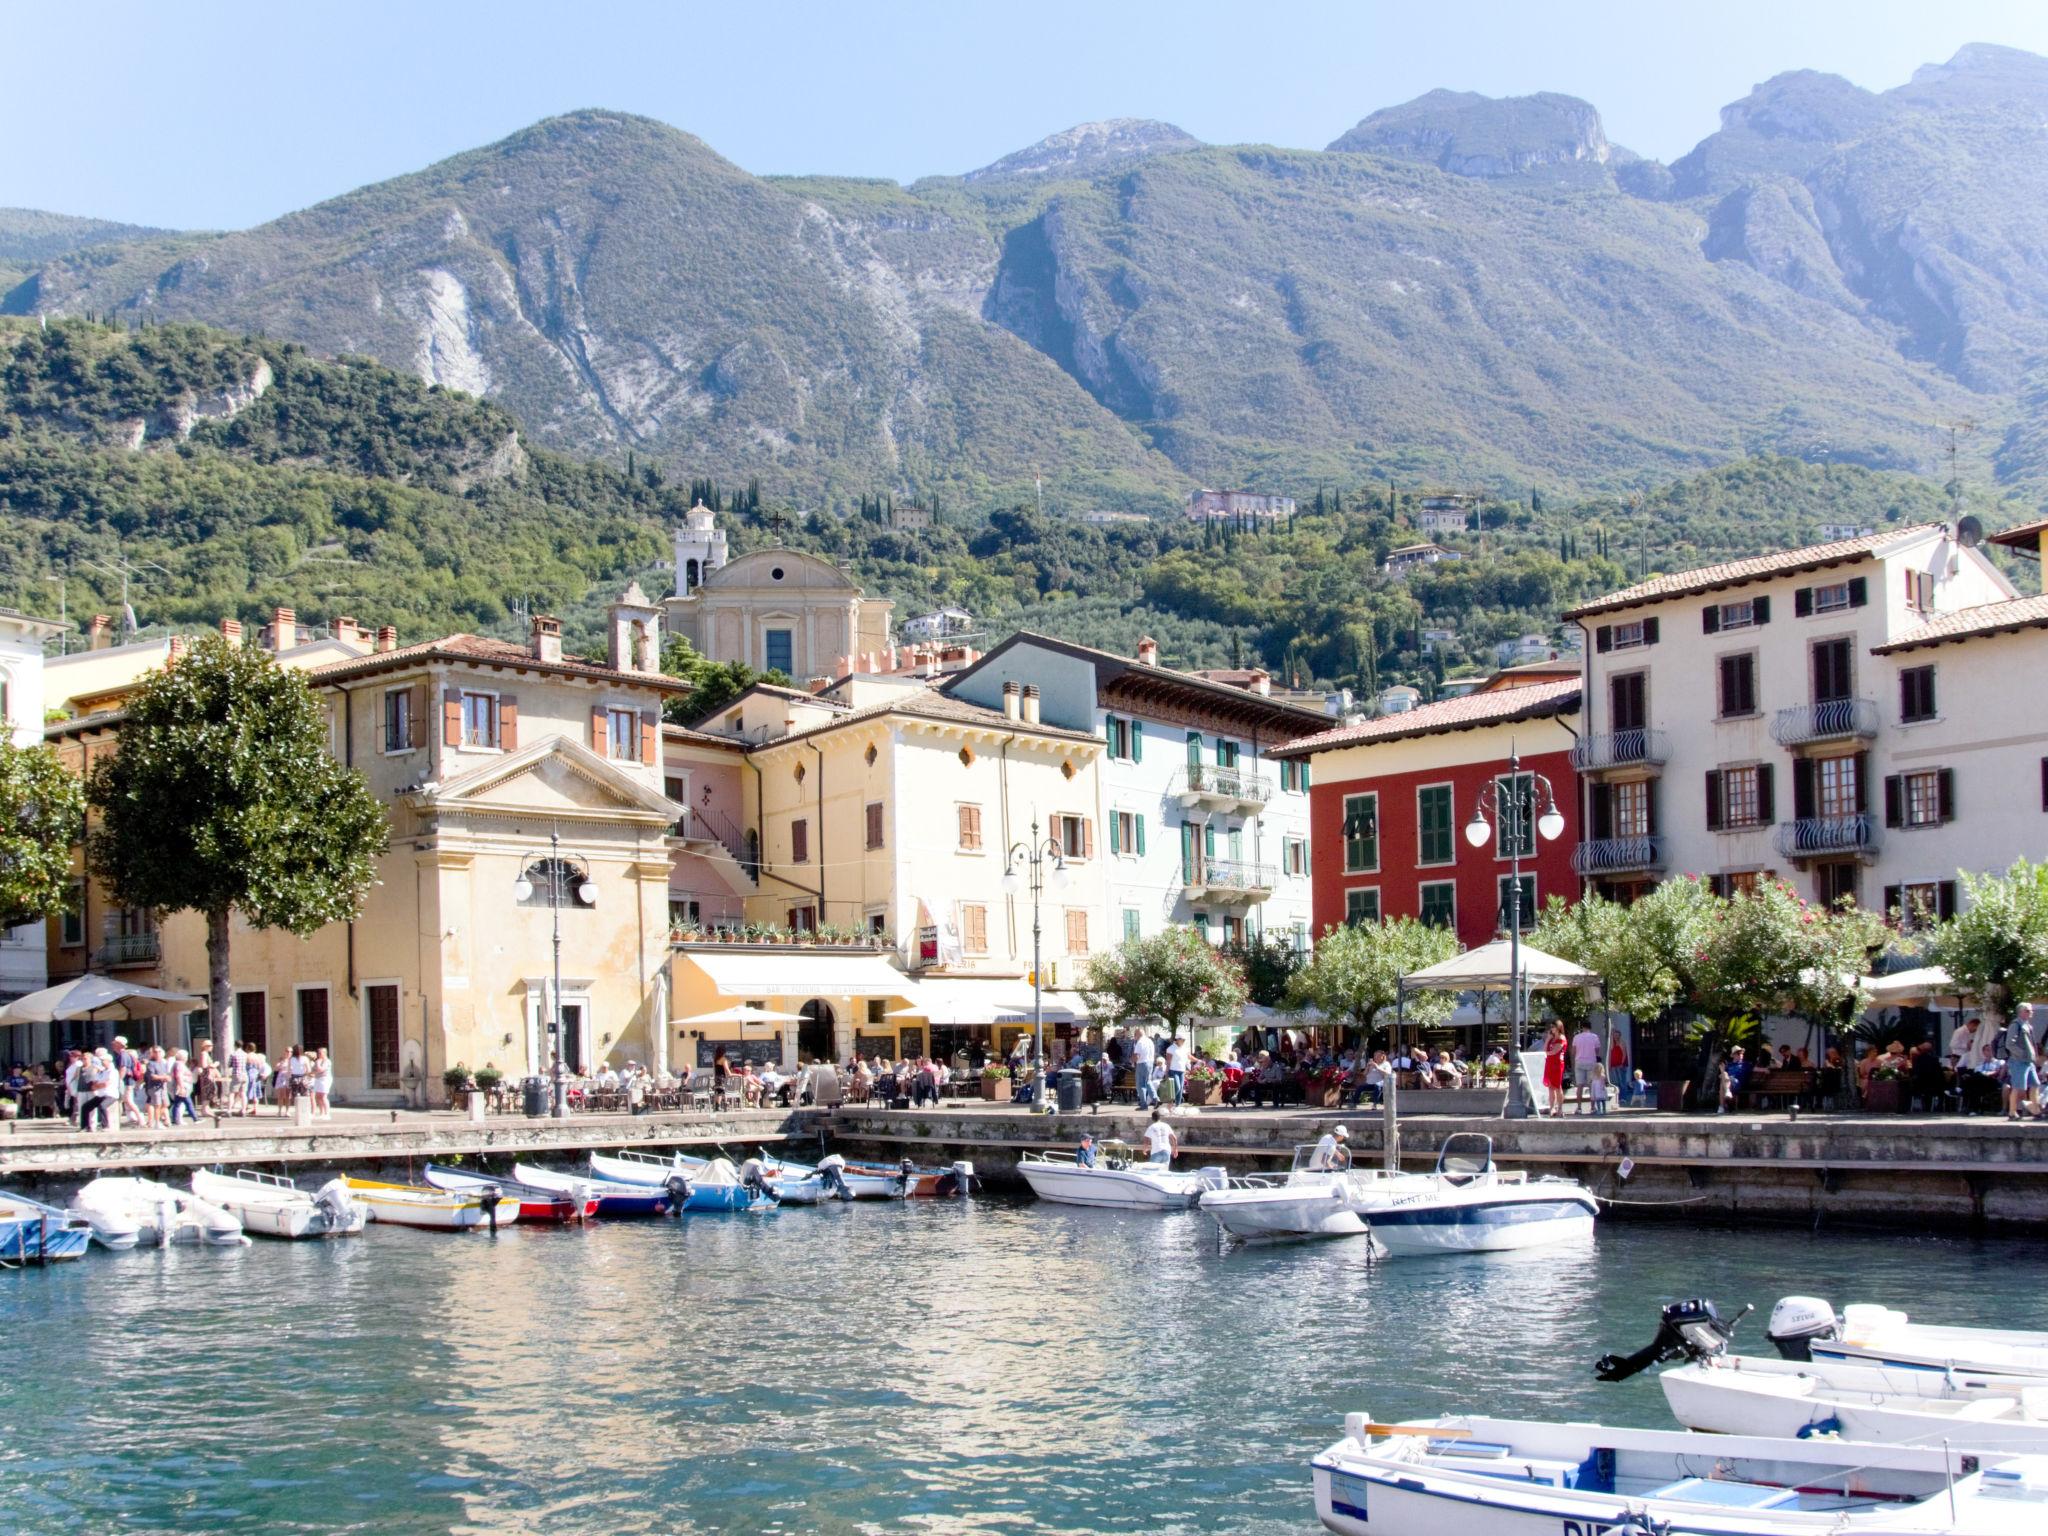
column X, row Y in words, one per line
column 1816, row 837
column 121, row 949
column 1621, row 749
column 1831, row 720
column 1618, row 855
column 1229, row 880
column 1222, row 789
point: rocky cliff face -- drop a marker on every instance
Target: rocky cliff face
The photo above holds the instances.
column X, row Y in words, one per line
column 1545, row 137
column 1087, row 149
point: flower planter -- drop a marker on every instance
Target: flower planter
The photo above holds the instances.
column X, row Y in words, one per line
column 1327, row 1096
column 996, row 1089
column 1201, row 1093
column 1885, row 1096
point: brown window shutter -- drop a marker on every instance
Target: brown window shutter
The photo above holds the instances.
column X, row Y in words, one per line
column 1862, row 782
column 1714, row 815
column 1945, row 899
column 416, row 725
column 508, row 721
column 1766, row 799
column 1894, row 798
column 1945, row 789
column 451, row 720
column 1087, row 837
column 650, row 738
column 597, row 724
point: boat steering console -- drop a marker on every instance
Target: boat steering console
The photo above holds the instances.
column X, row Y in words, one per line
column 1692, row 1330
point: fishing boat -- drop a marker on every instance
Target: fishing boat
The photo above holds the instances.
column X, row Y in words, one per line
column 273, row 1206
column 535, row 1204
column 157, row 1213
column 1724, row 1393
column 1470, row 1206
column 34, row 1233
column 439, row 1210
column 1477, row 1476
column 703, row 1185
column 1807, row 1328
column 612, row 1199
column 1307, row 1201
column 722, row 1186
column 643, row 1168
column 837, row 1178
column 1117, row 1181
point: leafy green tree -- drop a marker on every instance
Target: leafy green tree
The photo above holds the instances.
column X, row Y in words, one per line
column 1356, row 971
column 1174, row 974
column 42, row 814
column 1997, row 945
column 713, row 684
column 1629, row 945
column 1269, row 963
column 223, row 799
column 1768, row 951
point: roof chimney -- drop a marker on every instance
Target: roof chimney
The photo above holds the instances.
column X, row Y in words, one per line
column 1013, row 707
column 1031, row 703
column 1148, row 651
column 231, row 631
column 387, row 637
column 176, row 648
column 284, row 630
column 1261, row 682
column 547, row 637
column 348, row 631
column 99, row 634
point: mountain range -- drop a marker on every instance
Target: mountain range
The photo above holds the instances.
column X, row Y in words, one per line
column 1457, row 289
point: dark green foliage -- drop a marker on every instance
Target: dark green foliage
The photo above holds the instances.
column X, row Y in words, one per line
column 42, row 814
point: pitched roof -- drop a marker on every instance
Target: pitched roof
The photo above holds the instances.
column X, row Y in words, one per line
column 483, row 651
column 2026, row 537
column 934, row 705
column 2004, row 618
column 1734, row 573
column 1535, row 702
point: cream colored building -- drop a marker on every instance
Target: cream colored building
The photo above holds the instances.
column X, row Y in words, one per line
column 22, row 958
column 498, row 763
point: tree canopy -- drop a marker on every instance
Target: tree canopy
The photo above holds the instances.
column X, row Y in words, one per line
column 42, row 813
column 1356, row 971
column 1174, row 974
column 1997, row 944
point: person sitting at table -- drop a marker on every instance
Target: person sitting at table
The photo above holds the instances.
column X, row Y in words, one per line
column 1448, row 1073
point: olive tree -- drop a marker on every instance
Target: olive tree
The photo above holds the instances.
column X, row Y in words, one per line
column 42, row 813
column 1356, row 971
column 223, row 799
column 1997, row 945
column 1174, row 974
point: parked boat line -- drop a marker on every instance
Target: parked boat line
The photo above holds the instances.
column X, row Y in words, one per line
column 271, row 1205
column 34, row 1233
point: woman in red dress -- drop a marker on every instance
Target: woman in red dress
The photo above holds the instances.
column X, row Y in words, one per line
column 1554, row 1047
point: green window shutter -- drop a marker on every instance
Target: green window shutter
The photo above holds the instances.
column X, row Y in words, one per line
column 1236, row 845
column 1194, row 749
column 1138, row 751
column 1138, row 826
column 1304, row 776
column 1187, row 854
column 1113, row 820
column 1209, row 839
column 1109, row 735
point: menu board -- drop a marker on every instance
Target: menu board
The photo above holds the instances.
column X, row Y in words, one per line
column 762, row 1053
column 873, row 1047
column 912, row 1042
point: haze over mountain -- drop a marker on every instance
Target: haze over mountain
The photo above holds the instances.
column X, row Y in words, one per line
column 1458, row 288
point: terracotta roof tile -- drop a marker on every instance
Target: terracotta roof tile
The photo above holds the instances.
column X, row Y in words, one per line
column 1732, row 573
column 934, row 705
column 1533, row 702
column 489, row 652
column 2025, row 536
column 1968, row 623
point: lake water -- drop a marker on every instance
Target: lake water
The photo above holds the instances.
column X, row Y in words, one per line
column 996, row 1366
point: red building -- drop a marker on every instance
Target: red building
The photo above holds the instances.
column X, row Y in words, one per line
column 1391, row 798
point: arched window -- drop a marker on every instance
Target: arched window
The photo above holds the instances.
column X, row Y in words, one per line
column 554, row 882
column 690, row 576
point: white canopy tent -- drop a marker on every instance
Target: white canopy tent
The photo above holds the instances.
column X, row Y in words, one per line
column 1922, row 984
column 1489, row 968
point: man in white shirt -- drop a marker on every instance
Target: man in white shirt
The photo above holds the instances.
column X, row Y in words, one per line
column 1330, row 1154
column 1143, row 1055
column 1585, row 1057
column 1160, row 1140
column 1177, row 1068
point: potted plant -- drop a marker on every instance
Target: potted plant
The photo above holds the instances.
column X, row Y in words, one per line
column 456, row 1080
column 1887, row 1091
column 1202, row 1083
column 995, row 1082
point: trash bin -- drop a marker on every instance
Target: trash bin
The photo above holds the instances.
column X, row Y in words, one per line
column 1070, row 1090
column 536, row 1097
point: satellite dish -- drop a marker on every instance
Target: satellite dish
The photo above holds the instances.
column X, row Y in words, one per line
column 1969, row 532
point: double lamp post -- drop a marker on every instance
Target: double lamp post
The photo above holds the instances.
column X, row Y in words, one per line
column 1035, row 865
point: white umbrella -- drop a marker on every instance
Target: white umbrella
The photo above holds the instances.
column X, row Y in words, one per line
column 1924, row 983
column 94, row 997
column 739, row 1013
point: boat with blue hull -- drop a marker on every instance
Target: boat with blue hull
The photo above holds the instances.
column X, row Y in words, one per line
column 1470, row 1206
column 613, row 1199
column 712, row 1186
column 34, row 1233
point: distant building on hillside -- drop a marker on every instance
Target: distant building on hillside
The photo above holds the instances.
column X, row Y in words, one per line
column 909, row 519
column 1400, row 561
column 939, row 624
column 1512, row 653
column 1103, row 516
column 1445, row 511
column 1831, row 533
column 1399, row 699
column 1236, row 506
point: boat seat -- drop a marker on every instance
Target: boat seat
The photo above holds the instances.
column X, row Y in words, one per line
column 1987, row 1408
column 1469, row 1448
column 1704, row 1490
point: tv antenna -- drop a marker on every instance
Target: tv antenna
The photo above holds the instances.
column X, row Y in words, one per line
column 1957, row 430
column 127, row 570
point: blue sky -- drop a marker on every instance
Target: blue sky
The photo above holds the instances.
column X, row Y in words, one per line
column 221, row 114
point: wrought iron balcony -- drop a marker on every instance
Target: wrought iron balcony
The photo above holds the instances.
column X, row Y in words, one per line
column 1817, row 836
column 1617, row 855
column 1825, row 720
column 129, row 949
column 1223, row 788
column 1229, row 880
column 1620, row 749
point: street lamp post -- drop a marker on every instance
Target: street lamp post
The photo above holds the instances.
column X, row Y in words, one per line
column 558, row 890
column 1510, row 814
column 1025, row 867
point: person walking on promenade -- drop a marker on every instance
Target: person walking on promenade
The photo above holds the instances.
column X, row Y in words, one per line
column 1555, row 1048
column 1142, row 1057
column 98, row 1093
column 127, row 1082
column 156, row 1089
column 256, row 1076
column 1585, row 1057
column 1160, row 1141
column 321, row 1082
column 2022, row 1063
column 1177, row 1070
column 183, row 1081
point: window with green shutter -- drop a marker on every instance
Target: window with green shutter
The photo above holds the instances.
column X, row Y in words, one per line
column 1436, row 839
column 1361, row 832
column 1187, row 854
column 1138, row 745
column 1361, row 906
column 1130, row 923
column 1194, row 749
column 1236, row 845
column 1439, row 903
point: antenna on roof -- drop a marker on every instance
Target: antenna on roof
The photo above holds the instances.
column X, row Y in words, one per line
column 1957, row 430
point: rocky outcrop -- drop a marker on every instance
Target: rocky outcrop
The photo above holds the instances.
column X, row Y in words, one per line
column 189, row 409
column 1545, row 137
column 1088, row 148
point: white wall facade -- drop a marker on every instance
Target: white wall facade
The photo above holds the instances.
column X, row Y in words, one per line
column 23, row 965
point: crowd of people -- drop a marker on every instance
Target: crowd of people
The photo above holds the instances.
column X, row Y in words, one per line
column 122, row 1086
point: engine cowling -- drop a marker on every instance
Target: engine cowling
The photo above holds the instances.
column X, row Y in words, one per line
column 1796, row 1321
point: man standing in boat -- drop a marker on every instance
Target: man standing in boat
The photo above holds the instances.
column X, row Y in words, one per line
column 1160, row 1140
column 1331, row 1154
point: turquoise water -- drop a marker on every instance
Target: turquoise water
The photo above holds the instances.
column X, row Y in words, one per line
column 997, row 1366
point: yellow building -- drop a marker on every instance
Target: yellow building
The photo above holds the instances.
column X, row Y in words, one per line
column 506, row 769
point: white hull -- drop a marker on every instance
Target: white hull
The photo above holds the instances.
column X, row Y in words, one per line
column 644, row 1172
column 1286, row 1210
column 156, row 1213
column 274, row 1210
column 1887, row 1407
column 1915, row 1347
column 1492, row 1477
column 1482, row 1216
column 1139, row 1187
column 435, row 1210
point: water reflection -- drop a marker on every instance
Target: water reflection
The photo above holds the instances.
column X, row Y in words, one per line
column 994, row 1366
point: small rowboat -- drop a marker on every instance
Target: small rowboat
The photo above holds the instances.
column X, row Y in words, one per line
column 34, row 1233
column 612, row 1199
column 155, row 1212
column 641, row 1169
column 535, row 1204
column 440, row 1210
column 273, row 1206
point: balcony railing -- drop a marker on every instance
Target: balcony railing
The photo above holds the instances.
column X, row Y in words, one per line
column 1827, row 720
column 1617, row 855
column 1225, row 879
column 129, row 949
column 1813, row 836
column 1621, row 749
column 1223, row 786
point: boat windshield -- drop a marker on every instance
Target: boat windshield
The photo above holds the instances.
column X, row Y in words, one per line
column 1465, row 1156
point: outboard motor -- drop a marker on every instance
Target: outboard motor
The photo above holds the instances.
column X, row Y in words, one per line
column 1796, row 1321
column 956, row 1181
column 1690, row 1330
column 751, row 1178
column 906, row 1172
column 678, row 1189
column 832, row 1176
column 489, row 1199
column 334, row 1205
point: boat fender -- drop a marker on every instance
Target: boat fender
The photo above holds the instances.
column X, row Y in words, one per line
column 1796, row 1321
column 1831, row 1427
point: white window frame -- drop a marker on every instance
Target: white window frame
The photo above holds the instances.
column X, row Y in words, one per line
column 1831, row 597
column 402, row 691
column 1126, row 833
column 613, row 714
column 1628, row 636
column 497, row 742
column 1928, row 779
column 1739, row 614
column 1420, row 861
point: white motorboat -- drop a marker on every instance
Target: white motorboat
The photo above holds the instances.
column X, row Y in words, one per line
column 1474, row 1476
column 1805, row 1327
column 1470, row 1206
column 1306, row 1201
column 644, row 1169
column 1730, row 1394
column 440, row 1210
column 272, row 1205
column 1117, row 1181
column 156, row 1213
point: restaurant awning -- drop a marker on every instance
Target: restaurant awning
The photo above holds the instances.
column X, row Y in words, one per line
column 799, row 973
column 1489, row 968
column 1924, row 983
column 985, row 1000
